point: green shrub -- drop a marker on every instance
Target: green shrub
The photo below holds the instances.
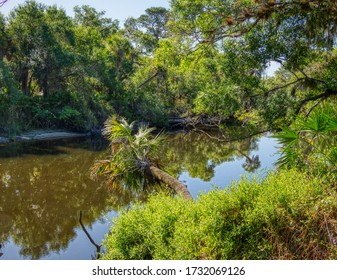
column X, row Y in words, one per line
column 70, row 117
column 310, row 143
column 286, row 216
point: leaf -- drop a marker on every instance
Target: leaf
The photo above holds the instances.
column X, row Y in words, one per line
column 287, row 136
column 315, row 123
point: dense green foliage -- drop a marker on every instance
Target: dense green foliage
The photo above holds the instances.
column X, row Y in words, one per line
column 205, row 58
column 248, row 35
column 63, row 72
column 310, row 143
column 288, row 215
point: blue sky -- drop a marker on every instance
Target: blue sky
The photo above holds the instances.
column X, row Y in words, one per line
column 115, row 9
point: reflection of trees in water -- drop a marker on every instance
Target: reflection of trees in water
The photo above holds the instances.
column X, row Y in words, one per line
column 199, row 155
column 41, row 198
column 252, row 163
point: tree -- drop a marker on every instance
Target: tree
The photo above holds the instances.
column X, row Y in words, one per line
column 300, row 35
column 154, row 22
column 40, row 38
column 148, row 29
column 25, row 27
column 3, row 36
column 134, row 160
column 89, row 17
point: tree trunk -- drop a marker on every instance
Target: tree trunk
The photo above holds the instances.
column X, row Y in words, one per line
column 24, row 78
column 173, row 183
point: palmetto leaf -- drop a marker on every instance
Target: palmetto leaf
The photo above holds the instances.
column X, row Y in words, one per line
column 117, row 129
column 287, row 137
column 316, row 123
column 123, row 167
column 311, row 144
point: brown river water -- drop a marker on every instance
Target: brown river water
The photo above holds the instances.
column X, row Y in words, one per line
column 44, row 186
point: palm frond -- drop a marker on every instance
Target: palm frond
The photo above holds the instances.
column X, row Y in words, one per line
column 117, row 129
column 311, row 143
column 287, row 137
column 315, row 124
column 128, row 150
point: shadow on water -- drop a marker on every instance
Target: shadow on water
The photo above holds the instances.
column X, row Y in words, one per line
column 53, row 147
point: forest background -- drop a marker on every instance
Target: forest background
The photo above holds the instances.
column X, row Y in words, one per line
column 199, row 60
column 207, row 60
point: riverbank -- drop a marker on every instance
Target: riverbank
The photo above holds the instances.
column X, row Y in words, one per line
column 174, row 124
column 42, row 135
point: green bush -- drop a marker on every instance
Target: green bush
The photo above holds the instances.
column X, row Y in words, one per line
column 286, row 216
column 70, row 117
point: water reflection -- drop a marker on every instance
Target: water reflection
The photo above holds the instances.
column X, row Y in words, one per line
column 44, row 186
column 41, row 198
column 203, row 163
column 199, row 155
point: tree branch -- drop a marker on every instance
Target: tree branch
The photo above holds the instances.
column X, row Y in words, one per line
column 148, row 80
column 3, row 2
column 224, row 139
column 279, row 87
column 328, row 93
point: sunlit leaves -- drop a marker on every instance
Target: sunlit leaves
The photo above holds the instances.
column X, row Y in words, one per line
column 279, row 217
column 310, row 143
column 132, row 153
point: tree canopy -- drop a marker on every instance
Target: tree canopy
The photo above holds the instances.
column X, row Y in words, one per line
column 197, row 59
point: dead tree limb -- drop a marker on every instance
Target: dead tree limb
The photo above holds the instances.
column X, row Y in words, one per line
column 3, row 2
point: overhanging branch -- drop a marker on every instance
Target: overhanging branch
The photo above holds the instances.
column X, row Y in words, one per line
column 326, row 94
column 279, row 87
column 3, row 2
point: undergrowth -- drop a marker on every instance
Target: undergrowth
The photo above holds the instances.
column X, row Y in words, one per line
column 288, row 215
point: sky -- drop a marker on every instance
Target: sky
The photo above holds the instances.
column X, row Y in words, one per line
column 115, row 9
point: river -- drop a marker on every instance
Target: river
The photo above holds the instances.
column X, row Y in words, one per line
column 45, row 185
